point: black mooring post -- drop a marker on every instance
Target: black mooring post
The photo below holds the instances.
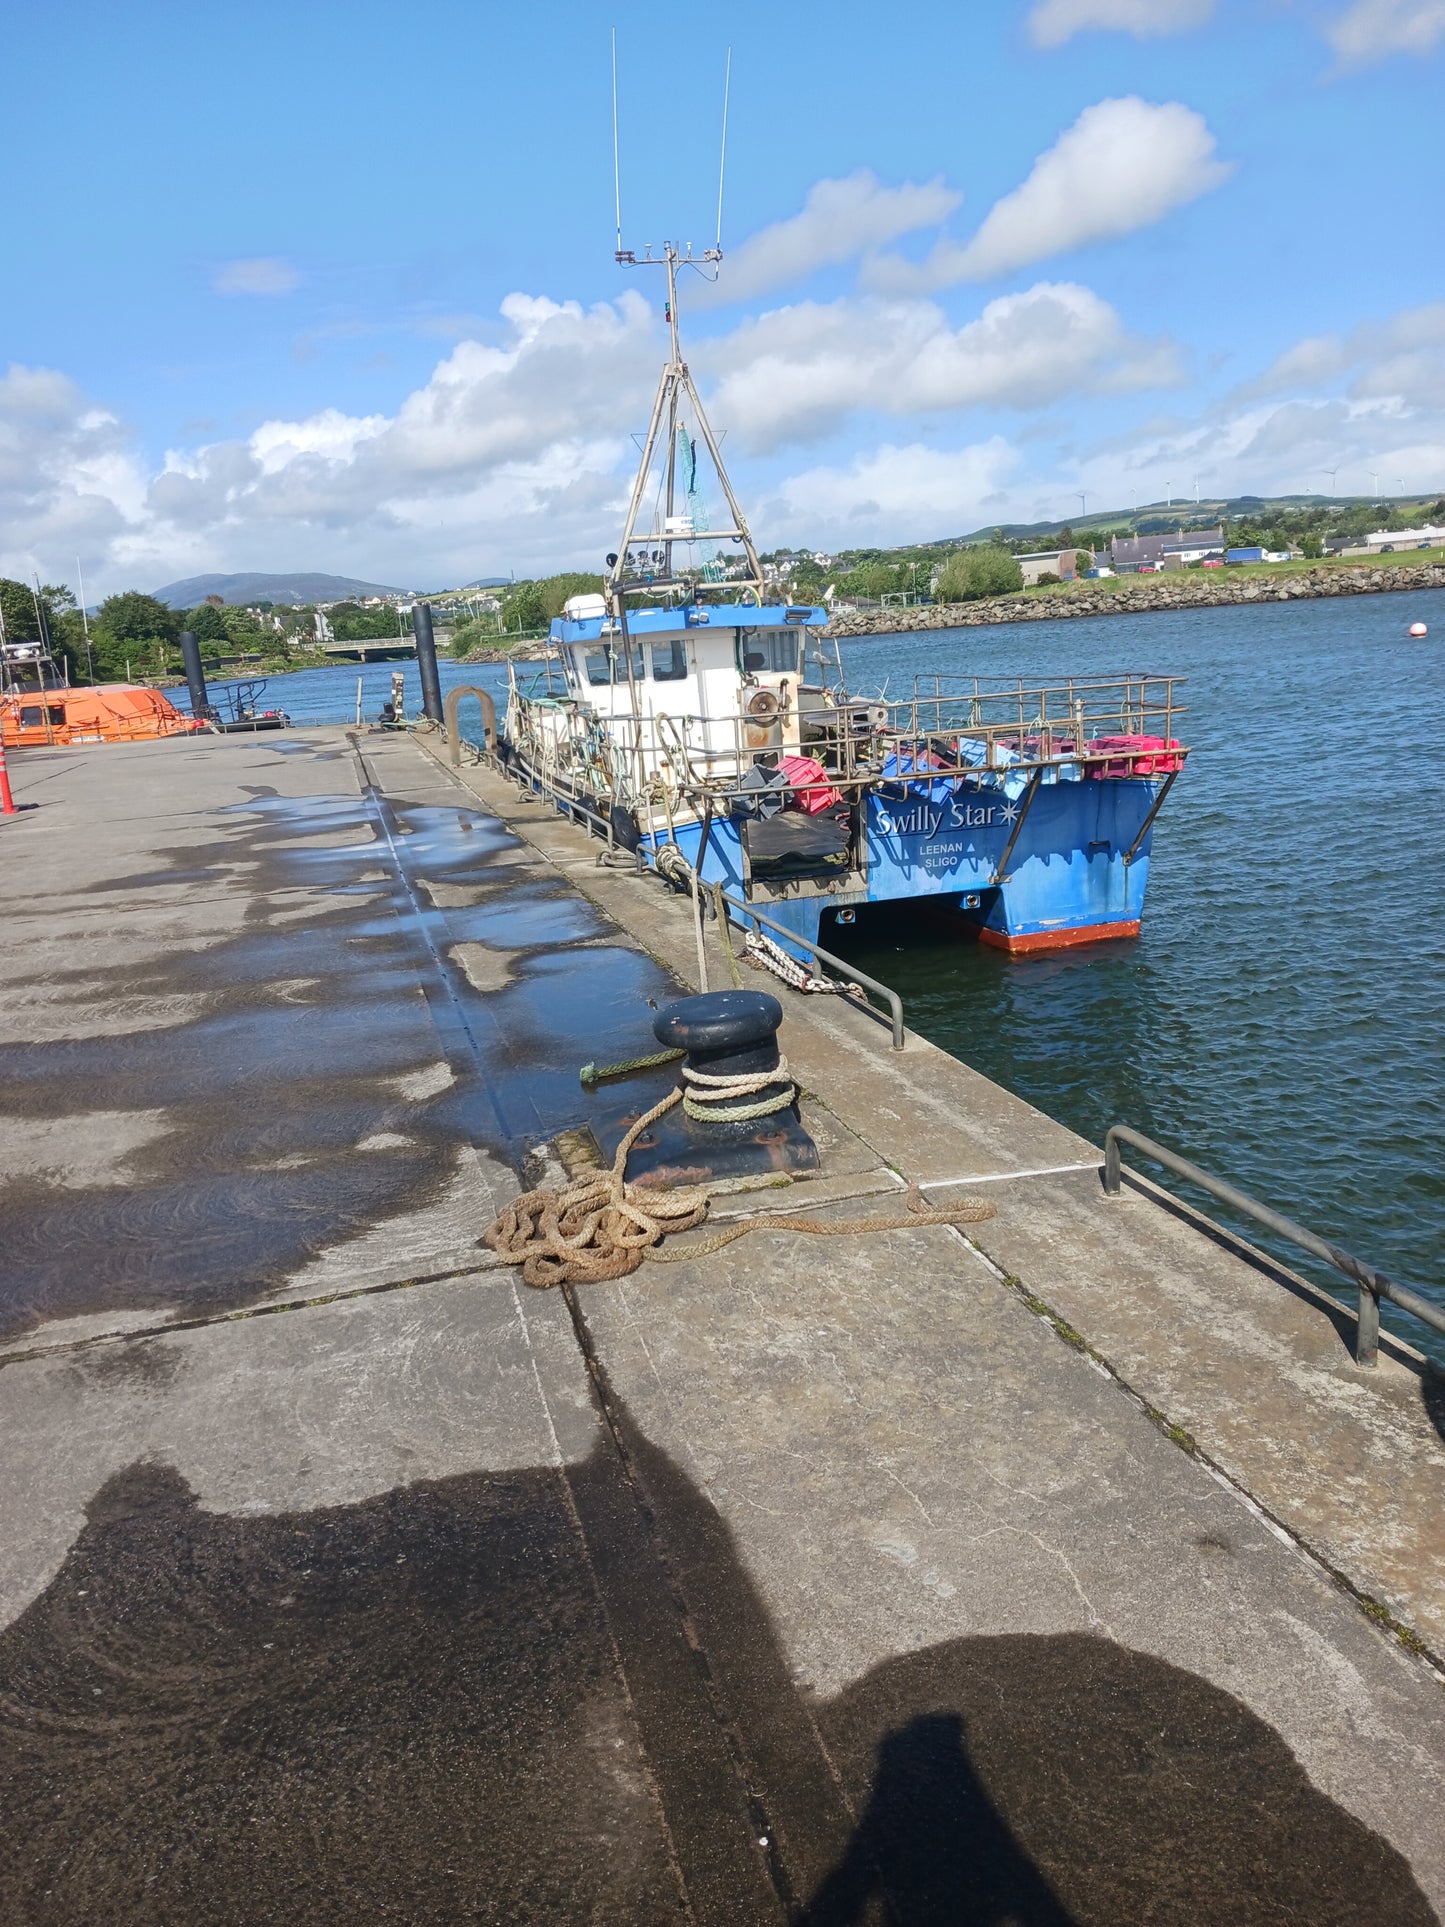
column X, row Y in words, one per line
column 195, row 675
column 426, row 661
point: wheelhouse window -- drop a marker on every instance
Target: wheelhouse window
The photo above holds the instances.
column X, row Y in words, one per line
column 669, row 660
column 605, row 664
column 774, row 652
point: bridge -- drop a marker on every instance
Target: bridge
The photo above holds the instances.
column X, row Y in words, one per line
column 371, row 648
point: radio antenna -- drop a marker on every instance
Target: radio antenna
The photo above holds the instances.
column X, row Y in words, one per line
column 723, row 156
column 616, row 169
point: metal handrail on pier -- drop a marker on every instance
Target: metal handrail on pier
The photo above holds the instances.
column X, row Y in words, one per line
column 1373, row 1285
column 890, row 997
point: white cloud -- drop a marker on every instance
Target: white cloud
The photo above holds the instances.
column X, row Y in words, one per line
column 1052, row 22
column 264, row 274
column 68, row 480
column 1123, row 165
column 1402, row 356
column 1374, row 29
column 510, row 452
column 892, row 493
column 516, row 452
column 1351, row 407
column 800, row 371
column 840, row 220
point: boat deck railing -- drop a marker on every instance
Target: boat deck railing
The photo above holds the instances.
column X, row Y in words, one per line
column 1373, row 1285
column 951, row 727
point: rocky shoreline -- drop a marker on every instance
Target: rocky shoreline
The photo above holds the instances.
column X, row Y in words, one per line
column 1139, row 595
column 1117, row 596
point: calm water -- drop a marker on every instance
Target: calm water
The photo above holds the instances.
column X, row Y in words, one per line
column 329, row 695
column 1281, row 1019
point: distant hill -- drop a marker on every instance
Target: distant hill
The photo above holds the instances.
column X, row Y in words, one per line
column 1151, row 517
column 293, row 590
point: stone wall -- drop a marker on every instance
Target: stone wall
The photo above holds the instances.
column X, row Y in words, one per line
column 1137, row 595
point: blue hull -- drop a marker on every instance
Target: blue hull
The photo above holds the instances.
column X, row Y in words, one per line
column 1067, row 880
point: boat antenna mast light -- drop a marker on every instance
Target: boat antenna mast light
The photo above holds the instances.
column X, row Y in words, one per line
column 675, row 390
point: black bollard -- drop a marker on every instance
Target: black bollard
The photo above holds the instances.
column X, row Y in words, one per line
column 195, row 675
column 730, row 1033
column 426, row 661
column 724, row 1033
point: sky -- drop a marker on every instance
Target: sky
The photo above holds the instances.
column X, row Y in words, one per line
column 314, row 286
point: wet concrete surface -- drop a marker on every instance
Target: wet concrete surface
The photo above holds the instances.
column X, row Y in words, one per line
column 332, row 977
column 821, row 1587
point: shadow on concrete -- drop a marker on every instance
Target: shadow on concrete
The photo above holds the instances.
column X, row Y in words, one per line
column 1014, row 1780
column 407, row 1709
column 1432, row 1396
column 1037, row 1780
column 931, row 1845
column 517, row 1696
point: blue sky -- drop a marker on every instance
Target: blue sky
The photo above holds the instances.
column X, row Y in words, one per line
column 331, row 287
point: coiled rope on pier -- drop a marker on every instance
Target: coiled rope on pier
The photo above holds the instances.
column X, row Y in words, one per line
column 600, row 1227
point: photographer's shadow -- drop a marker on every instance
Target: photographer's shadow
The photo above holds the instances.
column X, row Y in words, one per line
column 931, row 1846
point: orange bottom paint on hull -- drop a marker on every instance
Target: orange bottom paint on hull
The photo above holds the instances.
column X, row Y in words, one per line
column 1026, row 941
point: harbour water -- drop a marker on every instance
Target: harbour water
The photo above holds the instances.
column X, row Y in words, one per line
column 1280, row 1020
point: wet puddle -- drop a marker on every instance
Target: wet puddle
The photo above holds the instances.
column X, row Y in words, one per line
column 347, row 977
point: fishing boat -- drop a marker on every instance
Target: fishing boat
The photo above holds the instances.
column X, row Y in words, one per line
column 39, row 708
column 688, row 715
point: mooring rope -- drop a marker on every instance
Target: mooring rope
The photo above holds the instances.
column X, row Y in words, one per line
column 595, row 1073
column 764, row 954
column 719, row 904
column 601, row 1227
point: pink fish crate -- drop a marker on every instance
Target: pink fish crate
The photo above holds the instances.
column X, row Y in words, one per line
column 808, row 780
column 1132, row 756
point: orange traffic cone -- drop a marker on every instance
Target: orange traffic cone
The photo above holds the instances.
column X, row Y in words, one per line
column 7, row 801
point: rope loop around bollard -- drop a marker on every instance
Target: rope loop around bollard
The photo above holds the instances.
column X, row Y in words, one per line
column 722, row 1100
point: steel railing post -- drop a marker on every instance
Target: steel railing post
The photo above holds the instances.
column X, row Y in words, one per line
column 1367, row 1328
column 1111, row 1163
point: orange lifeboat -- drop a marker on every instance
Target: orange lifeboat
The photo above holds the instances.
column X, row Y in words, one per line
column 101, row 713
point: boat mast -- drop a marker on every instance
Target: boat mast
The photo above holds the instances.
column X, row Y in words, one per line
column 675, row 388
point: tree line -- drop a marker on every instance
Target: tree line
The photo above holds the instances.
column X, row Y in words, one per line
column 133, row 634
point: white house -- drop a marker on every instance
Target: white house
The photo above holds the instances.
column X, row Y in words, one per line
column 1383, row 539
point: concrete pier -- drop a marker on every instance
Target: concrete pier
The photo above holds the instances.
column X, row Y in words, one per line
column 1069, row 1571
